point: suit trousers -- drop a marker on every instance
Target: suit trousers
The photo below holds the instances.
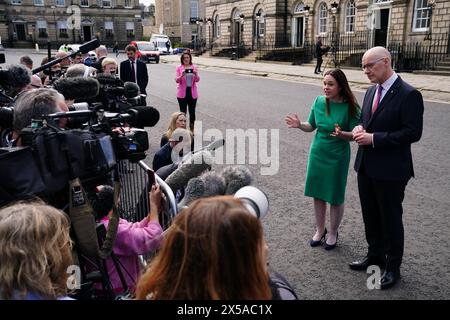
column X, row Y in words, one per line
column 381, row 204
column 191, row 102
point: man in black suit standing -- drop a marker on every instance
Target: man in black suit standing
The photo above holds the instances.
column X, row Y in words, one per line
column 391, row 120
column 134, row 70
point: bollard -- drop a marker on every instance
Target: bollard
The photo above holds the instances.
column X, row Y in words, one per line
column 233, row 54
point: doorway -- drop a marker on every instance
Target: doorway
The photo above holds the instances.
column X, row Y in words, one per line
column 20, row 30
column 87, row 33
column 299, row 31
column 237, row 33
column 381, row 33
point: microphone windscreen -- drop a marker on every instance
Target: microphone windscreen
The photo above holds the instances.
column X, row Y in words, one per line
column 236, row 177
column 77, row 88
column 195, row 189
column 196, row 165
column 131, row 89
column 108, row 79
column 89, row 46
column 214, row 183
column 144, row 116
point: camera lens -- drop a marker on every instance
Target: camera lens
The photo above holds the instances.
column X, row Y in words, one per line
column 254, row 200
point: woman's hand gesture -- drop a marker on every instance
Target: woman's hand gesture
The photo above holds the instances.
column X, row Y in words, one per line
column 292, row 121
column 337, row 131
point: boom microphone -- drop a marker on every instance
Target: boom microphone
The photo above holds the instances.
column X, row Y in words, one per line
column 140, row 116
column 77, row 88
column 89, row 46
column 193, row 167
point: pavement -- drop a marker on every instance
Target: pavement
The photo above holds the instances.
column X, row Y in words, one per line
column 433, row 88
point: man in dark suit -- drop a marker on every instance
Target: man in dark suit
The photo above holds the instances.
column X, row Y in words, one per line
column 134, row 70
column 101, row 53
column 391, row 120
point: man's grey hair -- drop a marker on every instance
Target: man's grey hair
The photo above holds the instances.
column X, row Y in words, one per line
column 101, row 51
column 78, row 70
column 34, row 104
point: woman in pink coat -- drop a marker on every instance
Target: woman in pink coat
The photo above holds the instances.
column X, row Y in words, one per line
column 187, row 78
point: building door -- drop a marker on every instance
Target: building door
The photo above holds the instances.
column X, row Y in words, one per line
column 299, row 32
column 237, row 33
column 381, row 33
column 20, row 29
column 87, row 33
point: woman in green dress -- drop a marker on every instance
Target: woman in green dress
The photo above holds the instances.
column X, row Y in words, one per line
column 334, row 115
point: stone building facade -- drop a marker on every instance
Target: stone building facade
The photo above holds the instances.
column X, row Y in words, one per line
column 182, row 20
column 25, row 22
column 294, row 23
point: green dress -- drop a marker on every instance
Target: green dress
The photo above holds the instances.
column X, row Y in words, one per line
column 329, row 157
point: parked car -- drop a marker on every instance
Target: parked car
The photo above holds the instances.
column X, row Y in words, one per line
column 179, row 50
column 146, row 51
column 69, row 47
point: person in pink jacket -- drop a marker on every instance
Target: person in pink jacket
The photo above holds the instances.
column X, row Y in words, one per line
column 187, row 78
column 132, row 240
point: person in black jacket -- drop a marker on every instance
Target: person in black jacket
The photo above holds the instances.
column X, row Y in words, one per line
column 319, row 54
column 391, row 120
column 134, row 70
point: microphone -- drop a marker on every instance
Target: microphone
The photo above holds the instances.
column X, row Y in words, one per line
column 89, row 46
column 85, row 48
column 17, row 76
column 193, row 167
column 236, row 177
column 77, row 88
column 211, row 183
column 194, row 190
column 109, row 79
column 131, row 89
column 140, row 116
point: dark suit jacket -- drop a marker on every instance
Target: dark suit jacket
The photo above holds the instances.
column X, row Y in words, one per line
column 396, row 123
column 98, row 64
column 141, row 74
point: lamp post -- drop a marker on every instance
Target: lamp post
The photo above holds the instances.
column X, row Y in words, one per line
column 56, row 26
column 431, row 4
column 197, row 36
column 334, row 9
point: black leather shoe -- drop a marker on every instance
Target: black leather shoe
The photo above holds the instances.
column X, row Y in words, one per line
column 316, row 243
column 331, row 246
column 388, row 279
column 363, row 264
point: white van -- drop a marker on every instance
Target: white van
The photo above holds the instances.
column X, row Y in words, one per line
column 160, row 41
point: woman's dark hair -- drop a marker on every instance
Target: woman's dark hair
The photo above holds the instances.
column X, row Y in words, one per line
column 182, row 56
column 103, row 203
column 344, row 92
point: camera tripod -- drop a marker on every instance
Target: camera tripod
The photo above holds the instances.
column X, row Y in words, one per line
column 331, row 58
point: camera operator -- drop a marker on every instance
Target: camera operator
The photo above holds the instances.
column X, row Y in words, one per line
column 31, row 105
column 15, row 79
column 101, row 53
column 47, row 76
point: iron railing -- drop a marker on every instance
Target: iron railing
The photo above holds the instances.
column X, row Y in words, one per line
column 346, row 49
column 134, row 200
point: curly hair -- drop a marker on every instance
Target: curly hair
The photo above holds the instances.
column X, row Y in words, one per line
column 35, row 251
column 213, row 250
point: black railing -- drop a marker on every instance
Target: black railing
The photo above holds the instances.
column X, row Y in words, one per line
column 346, row 49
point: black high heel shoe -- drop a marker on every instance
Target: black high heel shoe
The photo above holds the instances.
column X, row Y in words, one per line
column 315, row 243
column 331, row 246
